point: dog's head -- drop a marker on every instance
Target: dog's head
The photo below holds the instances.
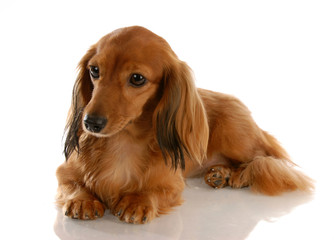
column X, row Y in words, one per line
column 120, row 75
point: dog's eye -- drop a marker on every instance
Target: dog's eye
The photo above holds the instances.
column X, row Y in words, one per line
column 94, row 72
column 137, row 80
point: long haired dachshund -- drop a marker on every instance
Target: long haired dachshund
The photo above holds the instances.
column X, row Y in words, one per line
column 138, row 126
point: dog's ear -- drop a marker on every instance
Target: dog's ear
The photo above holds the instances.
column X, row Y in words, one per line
column 180, row 119
column 81, row 95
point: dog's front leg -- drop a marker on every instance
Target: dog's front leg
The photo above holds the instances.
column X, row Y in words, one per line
column 75, row 199
column 137, row 208
column 144, row 205
column 140, row 208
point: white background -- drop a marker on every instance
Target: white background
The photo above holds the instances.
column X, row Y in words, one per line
column 276, row 56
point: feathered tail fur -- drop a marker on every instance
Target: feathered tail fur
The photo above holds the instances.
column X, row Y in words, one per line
column 275, row 173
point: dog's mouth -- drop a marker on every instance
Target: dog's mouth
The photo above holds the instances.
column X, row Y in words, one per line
column 101, row 127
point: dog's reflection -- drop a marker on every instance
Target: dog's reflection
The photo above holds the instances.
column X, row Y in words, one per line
column 222, row 214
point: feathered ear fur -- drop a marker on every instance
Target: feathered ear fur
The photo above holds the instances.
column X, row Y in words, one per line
column 180, row 118
column 81, row 95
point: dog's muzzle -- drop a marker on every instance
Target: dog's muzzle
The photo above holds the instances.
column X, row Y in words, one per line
column 94, row 124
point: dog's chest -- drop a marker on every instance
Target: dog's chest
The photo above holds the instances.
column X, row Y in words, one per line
column 120, row 166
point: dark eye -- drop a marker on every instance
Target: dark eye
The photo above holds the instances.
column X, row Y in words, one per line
column 137, row 80
column 94, row 72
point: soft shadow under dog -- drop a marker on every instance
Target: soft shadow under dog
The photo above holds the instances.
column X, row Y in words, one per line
column 222, row 214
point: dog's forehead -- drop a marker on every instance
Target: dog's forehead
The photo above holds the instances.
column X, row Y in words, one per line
column 133, row 40
column 134, row 45
column 132, row 37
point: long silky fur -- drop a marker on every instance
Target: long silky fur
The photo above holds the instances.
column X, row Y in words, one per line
column 81, row 95
column 176, row 119
column 169, row 141
column 71, row 132
column 167, row 136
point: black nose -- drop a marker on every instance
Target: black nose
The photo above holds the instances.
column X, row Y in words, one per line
column 94, row 123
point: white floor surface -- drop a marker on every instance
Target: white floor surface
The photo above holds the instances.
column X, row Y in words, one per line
column 219, row 214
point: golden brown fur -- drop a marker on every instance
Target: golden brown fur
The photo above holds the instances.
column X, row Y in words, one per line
column 156, row 133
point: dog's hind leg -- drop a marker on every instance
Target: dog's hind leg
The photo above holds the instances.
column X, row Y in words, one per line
column 268, row 170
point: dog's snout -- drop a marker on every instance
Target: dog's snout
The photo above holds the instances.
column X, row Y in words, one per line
column 94, row 123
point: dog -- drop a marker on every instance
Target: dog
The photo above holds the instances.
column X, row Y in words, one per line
column 138, row 126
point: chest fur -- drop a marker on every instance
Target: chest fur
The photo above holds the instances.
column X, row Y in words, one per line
column 118, row 165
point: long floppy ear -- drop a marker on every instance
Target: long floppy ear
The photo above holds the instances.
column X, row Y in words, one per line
column 81, row 95
column 180, row 119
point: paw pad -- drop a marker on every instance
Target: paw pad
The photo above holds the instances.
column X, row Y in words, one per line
column 218, row 176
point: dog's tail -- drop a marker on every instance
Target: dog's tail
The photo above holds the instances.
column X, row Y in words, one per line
column 275, row 173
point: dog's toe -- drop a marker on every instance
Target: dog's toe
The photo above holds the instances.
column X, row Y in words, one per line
column 83, row 209
column 135, row 209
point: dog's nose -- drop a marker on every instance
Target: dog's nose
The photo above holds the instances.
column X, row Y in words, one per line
column 94, row 123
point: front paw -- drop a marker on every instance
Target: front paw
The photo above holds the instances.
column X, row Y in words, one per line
column 83, row 209
column 135, row 208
